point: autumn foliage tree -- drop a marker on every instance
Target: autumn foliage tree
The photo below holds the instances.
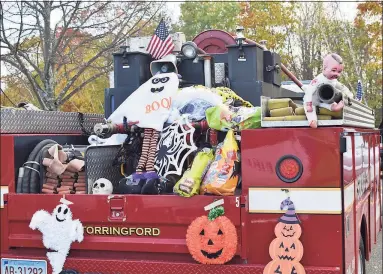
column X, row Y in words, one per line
column 368, row 26
column 59, row 59
column 268, row 21
column 198, row 16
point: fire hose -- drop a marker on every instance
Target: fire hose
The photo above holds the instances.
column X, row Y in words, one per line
column 108, row 129
column 28, row 180
column 31, row 173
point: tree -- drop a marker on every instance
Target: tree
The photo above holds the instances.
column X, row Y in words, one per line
column 48, row 54
column 321, row 28
column 304, row 43
column 90, row 99
column 200, row 16
column 268, row 21
column 368, row 27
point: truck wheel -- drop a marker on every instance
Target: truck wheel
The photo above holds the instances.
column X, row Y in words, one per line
column 362, row 258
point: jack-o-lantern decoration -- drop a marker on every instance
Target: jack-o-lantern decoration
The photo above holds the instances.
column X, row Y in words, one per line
column 284, row 268
column 292, row 231
column 212, row 239
column 286, row 250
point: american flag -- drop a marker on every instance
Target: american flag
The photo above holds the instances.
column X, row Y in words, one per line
column 161, row 43
column 359, row 91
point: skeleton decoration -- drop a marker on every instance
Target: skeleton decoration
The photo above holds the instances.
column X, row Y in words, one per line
column 102, row 186
column 59, row 231
column 175, row 145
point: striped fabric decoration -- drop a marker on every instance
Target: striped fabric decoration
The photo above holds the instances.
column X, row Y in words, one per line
column 152, row 151
column 161, row 43
column 148, row 153
column 145, row 150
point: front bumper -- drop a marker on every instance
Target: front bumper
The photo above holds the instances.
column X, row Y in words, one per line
column 111, row 266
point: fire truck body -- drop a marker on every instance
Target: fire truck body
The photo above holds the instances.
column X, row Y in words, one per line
column 332, row 175
column 337, row 199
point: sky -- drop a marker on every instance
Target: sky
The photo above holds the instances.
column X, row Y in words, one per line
column 348, row 11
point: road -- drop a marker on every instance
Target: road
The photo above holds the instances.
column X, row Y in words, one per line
column 374, row 266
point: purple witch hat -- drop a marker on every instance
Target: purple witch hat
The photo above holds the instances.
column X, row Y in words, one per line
column 290, row 217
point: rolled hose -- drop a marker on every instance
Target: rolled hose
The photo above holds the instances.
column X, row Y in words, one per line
column 35, row 178
column 31, row 166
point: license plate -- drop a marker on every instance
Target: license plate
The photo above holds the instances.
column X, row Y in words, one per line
column 19, row 266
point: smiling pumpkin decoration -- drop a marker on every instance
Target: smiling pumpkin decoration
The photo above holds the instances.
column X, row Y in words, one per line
column 286, row 250
column 212, row 239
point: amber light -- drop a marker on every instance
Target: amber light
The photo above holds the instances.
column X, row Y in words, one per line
column 289, row 169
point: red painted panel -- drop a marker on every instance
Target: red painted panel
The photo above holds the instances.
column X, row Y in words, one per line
column 7, row 171
column 348, row 161
column 318, row 149
column 349, row 220
column 4, row 228
column 214, row 41
column 321, row 239
column 171, row 214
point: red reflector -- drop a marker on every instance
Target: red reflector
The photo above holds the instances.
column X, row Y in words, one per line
column 289, row 169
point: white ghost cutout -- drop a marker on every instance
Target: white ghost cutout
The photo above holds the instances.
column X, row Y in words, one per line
column 102, row 186
column 59, row 231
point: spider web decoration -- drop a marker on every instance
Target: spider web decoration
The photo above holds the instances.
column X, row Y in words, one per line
column 175, row 145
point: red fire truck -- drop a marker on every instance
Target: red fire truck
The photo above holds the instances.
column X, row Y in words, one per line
column 332, row 174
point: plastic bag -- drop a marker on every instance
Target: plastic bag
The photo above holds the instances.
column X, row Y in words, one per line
column 186, row 96
column 224, row 117
column 195, row 109
column 223, row 174
column 190, row 182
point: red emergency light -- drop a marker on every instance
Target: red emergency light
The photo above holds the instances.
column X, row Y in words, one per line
column 289, row 168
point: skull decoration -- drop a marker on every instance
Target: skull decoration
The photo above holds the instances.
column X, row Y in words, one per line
column 102, row 186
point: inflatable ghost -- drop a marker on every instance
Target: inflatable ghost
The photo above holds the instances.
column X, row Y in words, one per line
column 150, row 104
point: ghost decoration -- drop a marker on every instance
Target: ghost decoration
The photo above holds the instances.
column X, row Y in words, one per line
column 59, row 231
column 102, row 186
column 150, row 104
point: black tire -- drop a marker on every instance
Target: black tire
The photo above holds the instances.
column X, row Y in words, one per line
column 362, row 257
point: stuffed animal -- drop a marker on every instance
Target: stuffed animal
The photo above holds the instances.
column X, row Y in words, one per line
column 59, row 231
column 332, row 69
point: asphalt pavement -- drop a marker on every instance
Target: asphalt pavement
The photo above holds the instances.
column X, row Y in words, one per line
column 374, row 266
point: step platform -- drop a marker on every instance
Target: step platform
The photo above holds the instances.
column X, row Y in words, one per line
column 288, row 112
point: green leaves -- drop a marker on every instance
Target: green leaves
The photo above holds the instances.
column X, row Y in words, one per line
column 215, row 213
column 200, row 16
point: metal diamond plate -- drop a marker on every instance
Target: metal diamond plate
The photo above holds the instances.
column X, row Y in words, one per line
column 98, row 164
column 151, row 267
column 219, row 72
column 110, row 266
column 29, row 121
